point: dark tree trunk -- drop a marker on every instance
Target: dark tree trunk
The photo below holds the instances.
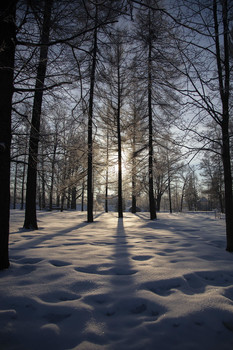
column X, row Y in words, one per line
column 15, row 186
column 62, row 201
column 90, row 122
column 69, row 198
column 151, row 182
column 58, row 201
column 120, row 202
column 120, row 205
column 82, row 198
column 224, row 88
column 22, row 186
column 43, row 201
column 106, row 192
column 226, row 157
column 134, row 200
column 7, row 52
column 158, row 201
column 30, row 221
column 73, row 198
column 228, row 187
column 221, row 202
column 52, row 175
column 182, row 199
column 169, row 195
column 107, row 163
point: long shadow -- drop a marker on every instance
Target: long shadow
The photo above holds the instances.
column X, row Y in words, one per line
column 121, row 254
column 40, row 237
column 188, row 230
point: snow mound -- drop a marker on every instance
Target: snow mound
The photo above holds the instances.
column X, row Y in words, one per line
column 115, row 284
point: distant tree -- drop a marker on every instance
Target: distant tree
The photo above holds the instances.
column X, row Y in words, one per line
column 135, row 133
column 100, row 14
column 117, row 83
column 183, row 176
column 147, row 33
column 191, row 195
column 212, row 173
column 156, row 55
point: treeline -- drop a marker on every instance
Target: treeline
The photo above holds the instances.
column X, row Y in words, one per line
column 113, row 99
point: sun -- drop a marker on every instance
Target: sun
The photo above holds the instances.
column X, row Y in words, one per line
column 124, row 164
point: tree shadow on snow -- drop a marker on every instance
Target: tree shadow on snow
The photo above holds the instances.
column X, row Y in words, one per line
column 121, row 254
column 35, row 237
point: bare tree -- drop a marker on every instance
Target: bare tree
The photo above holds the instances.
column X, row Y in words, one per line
column 30, row 221
column 90, row 120
column 205, row 54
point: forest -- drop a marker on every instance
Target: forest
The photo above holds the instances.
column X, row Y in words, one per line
column 116, row 105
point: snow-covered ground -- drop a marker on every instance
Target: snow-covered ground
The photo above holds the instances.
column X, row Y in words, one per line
column 117, row 284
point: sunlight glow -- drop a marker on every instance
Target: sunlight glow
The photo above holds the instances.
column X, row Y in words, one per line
column 124, row 163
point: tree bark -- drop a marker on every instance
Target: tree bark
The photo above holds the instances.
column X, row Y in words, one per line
column 7, row 53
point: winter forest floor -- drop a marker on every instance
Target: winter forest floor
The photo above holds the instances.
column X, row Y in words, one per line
column 117, row 284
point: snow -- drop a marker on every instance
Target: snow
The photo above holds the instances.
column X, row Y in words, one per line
column 117, row 284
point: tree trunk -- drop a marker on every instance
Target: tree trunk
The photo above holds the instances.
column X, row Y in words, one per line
column 224, row 89
column 226, row 157
column 228, row 187
column 73, row 198
column 69, row 196
column 90, row 122
column 30, row 221
column 169, row 194
column 183, row 194
column 7, row 41
column 134, row 200
column 43, row 202
column 22, row 186
column 15, row 186
column 62, row 201
column 106, row 182
column 120, row 203
column 151, row 182
column 82, row 198
column 221, row 202
column 158, row 201
column 58, row 201
column 52, row 175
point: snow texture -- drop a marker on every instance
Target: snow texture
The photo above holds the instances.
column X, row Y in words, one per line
column 117, row 284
